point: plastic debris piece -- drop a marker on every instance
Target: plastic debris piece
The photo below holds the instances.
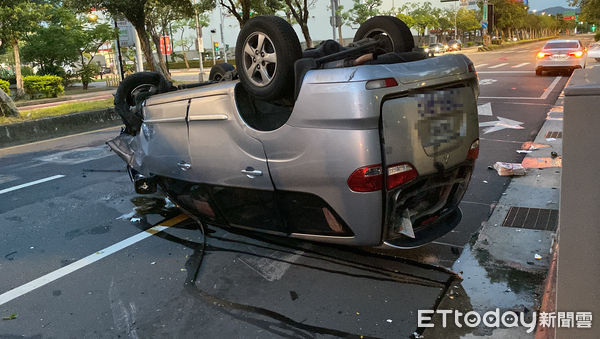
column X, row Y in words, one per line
column 507, row 168
column 522, row 151
column 553, row 154
column 389, row 320
column 135, row 219
column 550, row 139
column 153, row 263
column 11, row 317
column 537, row 256
column 485, row 181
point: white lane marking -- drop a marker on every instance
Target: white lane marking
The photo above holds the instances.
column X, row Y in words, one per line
column 550, row 88
column 521, row 65
column 484, row 82
column 511, row 98
column 500, row 124
column 499, row 65
column 478, row 66
column 505, row 72
column 18, row 187
column 90, row 259
column 485, row 109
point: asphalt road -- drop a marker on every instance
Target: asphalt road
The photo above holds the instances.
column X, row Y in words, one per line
column 79, row 257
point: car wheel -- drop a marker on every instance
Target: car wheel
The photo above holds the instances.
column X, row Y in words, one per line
column 132, row 92
column 538, row 72
column 266, row 50
column 217, row 71
column 393, row 31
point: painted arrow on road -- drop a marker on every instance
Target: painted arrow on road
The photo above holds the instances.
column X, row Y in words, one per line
column 500, row 124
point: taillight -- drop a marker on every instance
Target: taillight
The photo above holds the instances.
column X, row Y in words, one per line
column 381, row 83
column 542, row 55
column 473, row 150
column 366, row 179
column 577, row 54
column 400, row 174
column 370, row 178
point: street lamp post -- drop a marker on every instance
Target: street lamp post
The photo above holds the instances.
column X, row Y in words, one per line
column 224, row 47
column 199, row 43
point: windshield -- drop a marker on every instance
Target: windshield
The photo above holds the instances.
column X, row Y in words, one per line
column 556, row 45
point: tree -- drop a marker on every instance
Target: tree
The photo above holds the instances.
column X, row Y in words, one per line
column 64, row 39
column 466, row 20
column 132, row 10
column 17, row 19
column 423, row 17
column 159, row 14
column 243, row 10
column 299, row 10
column 590, row 9
column 361, row 11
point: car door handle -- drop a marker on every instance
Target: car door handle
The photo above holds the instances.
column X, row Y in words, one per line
column 251, row 172
column 184, row 166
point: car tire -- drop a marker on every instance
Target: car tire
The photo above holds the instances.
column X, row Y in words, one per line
column 267, row 71
column 217, row 71
column 398, row 37
column 538, row 71
column 132, row 92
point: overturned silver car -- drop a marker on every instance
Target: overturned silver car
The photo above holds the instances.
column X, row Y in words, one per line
column 369, row 144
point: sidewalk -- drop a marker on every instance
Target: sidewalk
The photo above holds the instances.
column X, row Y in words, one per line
column 506, row 264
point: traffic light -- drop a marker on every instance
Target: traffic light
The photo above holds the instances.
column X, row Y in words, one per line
column 216, row 46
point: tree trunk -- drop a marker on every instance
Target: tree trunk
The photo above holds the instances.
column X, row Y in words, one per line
column 162, row 67
column 146, row 49
column 185, row 59
column 340, row 35
column 7, row 106
column 306, row 33
column 20, row 92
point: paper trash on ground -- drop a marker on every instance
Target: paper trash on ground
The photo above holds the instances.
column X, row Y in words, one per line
column 507, row 168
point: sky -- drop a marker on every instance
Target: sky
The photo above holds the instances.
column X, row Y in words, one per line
column 319, row 23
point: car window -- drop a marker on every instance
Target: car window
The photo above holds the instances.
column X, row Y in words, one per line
column 555, row 45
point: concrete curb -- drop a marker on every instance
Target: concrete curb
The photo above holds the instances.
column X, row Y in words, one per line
column 52, row 127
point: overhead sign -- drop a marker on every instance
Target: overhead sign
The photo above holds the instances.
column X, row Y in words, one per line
column 165, row 45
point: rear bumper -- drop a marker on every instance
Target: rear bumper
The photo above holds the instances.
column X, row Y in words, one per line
column 562, row 64
column 431, row 205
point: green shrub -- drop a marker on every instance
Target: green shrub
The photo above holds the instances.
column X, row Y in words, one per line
column 471, row 43
column 43, row 86
column 27, row 71
column 4, row 86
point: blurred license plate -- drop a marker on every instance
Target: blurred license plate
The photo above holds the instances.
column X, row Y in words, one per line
column 559, row 57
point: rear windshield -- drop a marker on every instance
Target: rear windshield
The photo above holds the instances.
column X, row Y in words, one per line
column 555, row 45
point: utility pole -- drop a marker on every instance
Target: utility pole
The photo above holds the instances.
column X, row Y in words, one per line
column 333, row 17
column 199, row 43
column 224, row 47
column 118, row 51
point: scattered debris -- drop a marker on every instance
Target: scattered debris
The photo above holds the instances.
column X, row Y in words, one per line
column 389, row 320
column 522, row 151
column 485, row 181
column 531, row 146
column 507, row 168
column 11, row 317
column 531, row 162
column 537, row 256
column 153, row 263
column 550, row 139
column 553, row 154
column 135, row 219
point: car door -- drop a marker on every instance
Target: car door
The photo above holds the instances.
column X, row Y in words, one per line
column 231, row 163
